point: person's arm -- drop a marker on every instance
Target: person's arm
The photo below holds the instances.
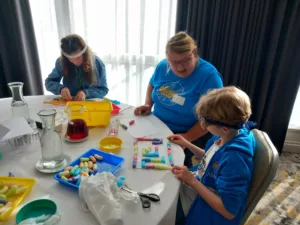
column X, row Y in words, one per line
column 99, row 89
column 148, row 100
column 180, row 140
column 213, row 81
column 199, row 152
column 211, row 199
column 194, row 133
column 52, row 82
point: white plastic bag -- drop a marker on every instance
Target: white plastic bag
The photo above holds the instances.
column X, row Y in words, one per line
column 102, row 196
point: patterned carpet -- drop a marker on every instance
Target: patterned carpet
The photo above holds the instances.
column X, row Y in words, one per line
column 280, row 205
column 281, row 202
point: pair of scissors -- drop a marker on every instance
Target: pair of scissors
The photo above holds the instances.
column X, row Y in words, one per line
column 146, row 199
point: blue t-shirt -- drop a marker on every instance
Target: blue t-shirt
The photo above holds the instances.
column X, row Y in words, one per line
column 174, row 97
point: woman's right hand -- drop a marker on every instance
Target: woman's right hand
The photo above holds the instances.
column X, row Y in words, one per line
column 143, row 110
column 179, row 140
column 65, row 94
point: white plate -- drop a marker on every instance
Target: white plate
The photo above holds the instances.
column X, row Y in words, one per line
column 66, row 138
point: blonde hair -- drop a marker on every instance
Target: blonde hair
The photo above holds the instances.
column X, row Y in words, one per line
column 228, row 105
column 180, row 43
column 71, row 44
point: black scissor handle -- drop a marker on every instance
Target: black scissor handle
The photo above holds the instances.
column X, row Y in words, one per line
column 152, row 197
column 145, row 202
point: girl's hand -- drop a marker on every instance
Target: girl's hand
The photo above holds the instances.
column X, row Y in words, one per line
column 182, row 173
column 179, row 140
column 80, row 96
column 143, row 110
column 65, row 94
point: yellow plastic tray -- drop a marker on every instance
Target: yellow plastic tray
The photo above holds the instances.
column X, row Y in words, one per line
column 29, row 182
column 96, row 113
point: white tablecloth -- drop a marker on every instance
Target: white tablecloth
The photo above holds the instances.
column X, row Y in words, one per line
column 22, row 162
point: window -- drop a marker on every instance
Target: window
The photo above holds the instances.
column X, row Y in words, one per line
column 128, row 35
column 295, row 118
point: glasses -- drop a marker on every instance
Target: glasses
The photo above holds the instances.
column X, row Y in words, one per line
column 185, row 62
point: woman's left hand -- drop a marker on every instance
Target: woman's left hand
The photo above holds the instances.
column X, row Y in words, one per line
column 183, row 174
column 80, row 96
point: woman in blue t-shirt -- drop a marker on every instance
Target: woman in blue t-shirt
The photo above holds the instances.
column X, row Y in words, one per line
column 82, row 73
column 175, row 87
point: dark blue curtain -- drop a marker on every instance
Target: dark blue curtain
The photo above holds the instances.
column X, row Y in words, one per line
column 256, row 46
column 19, row 59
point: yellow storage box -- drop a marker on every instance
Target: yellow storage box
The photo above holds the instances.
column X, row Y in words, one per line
column 95, row 114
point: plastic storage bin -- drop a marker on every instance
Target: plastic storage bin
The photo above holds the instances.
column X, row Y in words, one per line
column 110, row 163
column 96, row 113
column 16, row 199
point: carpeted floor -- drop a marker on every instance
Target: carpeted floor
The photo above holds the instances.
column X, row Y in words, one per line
column 280, row 204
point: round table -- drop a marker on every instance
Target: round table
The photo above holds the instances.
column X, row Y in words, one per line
column 22, row 162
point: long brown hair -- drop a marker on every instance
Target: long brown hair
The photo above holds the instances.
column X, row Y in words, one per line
column 71, row 44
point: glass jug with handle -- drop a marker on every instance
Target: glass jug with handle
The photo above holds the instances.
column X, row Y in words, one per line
column 77, row 129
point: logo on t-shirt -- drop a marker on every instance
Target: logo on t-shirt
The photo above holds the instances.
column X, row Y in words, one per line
column 166, row 93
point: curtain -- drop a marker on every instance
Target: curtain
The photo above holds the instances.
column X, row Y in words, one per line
column 255, row 45
column 128, row 35
column 18, row 51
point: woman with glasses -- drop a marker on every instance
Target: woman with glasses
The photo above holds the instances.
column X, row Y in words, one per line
column 82, row 73
column 175, row 88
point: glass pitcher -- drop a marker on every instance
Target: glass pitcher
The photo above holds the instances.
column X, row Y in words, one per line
column 52, row 150
column 19, row 106
column 77, row 129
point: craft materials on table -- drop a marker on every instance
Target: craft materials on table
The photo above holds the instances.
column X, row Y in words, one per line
column 12, row 191
column 155, row 156
column 90, row 163
column 170, row 156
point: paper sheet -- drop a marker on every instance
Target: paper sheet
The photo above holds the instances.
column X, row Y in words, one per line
column 142, row 127
column 3, row 131
column 17, row 127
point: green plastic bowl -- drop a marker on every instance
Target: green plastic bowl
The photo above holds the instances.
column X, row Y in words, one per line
column 35, row 209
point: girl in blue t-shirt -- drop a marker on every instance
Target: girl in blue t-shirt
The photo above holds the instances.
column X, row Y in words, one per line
column 175, row 87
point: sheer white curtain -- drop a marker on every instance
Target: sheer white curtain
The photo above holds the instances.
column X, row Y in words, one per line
column 128, row 35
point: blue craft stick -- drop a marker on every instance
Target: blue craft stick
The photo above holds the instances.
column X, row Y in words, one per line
column 158, row 140
column 163, row 160
column 78, row 182
column 146, row 160
column 143, row 164
column 152, row 154
column 171, row 160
